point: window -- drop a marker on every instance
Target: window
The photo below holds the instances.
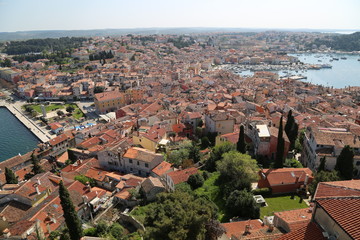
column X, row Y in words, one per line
column 130, row 160
column 139, row 172
column 138, row 163
column 146, row 165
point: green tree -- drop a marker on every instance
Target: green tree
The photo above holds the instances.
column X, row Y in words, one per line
column 216, row 155
column 279, row 160
column 214, row 230
column 323, row 176
column 34, row 113
column 36, row 167
column 178, row 215
column 237, row 171
column 205, row 142
column 293, row 163
column 70, row 109
column 322, row 164
column 194, row 152
column 116, row 230
column 84, row 180
column 7, row 62
column 242, row 204
column 60, row 113
column 10, row 176
column 195, row 181
column 71, row 218
column 291, row 129
column 176, row 157
column 99, row 89
column 241, row 145
column 345, row 163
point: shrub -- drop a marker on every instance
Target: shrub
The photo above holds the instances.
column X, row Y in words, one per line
column 265, row 192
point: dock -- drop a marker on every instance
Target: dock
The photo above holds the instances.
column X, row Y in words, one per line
column 28, row 123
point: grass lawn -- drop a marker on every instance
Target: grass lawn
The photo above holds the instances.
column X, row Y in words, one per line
column 140, row 213
column 212, row 191
column 48, row 108
column 77, row 113
column 282, row 203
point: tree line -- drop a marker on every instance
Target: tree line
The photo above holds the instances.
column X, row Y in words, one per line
column 101, row 55
column 343, row 42
column 40, row 45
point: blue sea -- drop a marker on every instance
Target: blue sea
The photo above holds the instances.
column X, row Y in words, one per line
column 344, row 72
column 15, row 138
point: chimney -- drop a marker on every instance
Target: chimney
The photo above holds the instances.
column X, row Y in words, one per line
column 36, row 186
column 306, row 179
column 247, row 228
column 296, row 179
column 6, row 233
column 85, row 199
column 51, row 217
column 88, row 186
column 271, row 227
column 48, row 227
column 38, row 181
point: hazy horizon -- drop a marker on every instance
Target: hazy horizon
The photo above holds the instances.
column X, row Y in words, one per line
column 48, row 15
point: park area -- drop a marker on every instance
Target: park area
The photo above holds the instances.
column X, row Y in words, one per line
column 52, row 110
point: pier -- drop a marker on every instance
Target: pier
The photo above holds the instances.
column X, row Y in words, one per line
column 28, row 123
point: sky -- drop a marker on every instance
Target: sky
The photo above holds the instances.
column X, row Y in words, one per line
column 24, row 15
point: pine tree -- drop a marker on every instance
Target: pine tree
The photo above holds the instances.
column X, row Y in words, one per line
column 10, row 176
column 194, row 152
column 345, row 163
column 322, row 164
column 241, row 145
column 279, row 160
column 71, row 219
column 291, row 129
column 36, row 167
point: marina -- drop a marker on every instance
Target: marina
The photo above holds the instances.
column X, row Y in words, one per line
column 336, row 70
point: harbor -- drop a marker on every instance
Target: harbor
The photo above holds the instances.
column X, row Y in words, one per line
column 28, row 123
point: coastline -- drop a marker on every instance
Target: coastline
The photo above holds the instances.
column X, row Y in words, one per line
column 31, row 126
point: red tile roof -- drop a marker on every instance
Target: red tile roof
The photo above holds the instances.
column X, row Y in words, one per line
column 162, row 168
column 182, row 175
column 58, row 139
column 310, row 232
column 295, row 218
column 284, row 175
column 257, row 230
column 338, row 189
column 345, row 212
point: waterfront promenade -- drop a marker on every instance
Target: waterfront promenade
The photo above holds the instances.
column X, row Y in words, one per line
column 15, row 109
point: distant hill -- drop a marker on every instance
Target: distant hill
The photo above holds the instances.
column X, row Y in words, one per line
column 24, row 35
column 343, row 42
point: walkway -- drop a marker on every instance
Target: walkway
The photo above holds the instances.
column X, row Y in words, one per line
column 38, row 132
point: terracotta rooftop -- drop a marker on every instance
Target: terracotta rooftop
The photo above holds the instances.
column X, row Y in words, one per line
column 338, row 189
column 141, row 154
column 310, row 232
column 286, row 175
column 58, row 139
column 162, row 168
column 236, row 230
column 182, row 175
column 295, row 218
column 106, row 96
column 345, row 212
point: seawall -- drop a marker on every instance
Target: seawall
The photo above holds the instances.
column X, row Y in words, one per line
column 38, row 132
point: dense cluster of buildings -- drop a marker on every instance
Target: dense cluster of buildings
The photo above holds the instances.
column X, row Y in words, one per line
column 162, row 95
